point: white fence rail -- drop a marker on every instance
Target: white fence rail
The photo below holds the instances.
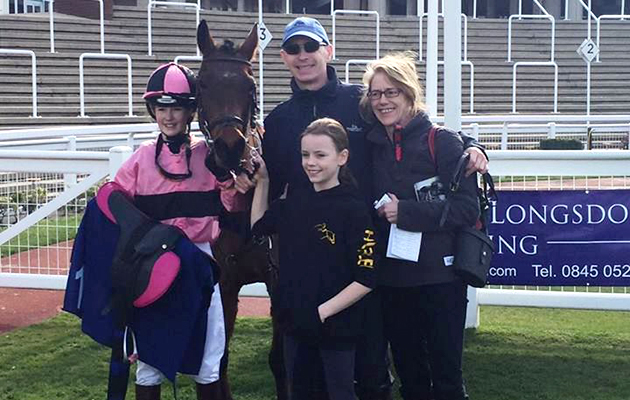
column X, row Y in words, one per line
column 33, row 72
column 518, row 133
column 26, row 262
column 441, row 15
column 21, row 212
column 532, row 16
column 105, row 56
column 355, row 12
column 621, row 17
column 152, row 4
column 536, row 63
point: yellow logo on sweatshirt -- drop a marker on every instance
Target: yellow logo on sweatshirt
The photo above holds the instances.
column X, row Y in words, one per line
column 328, row 234
column 366, row 251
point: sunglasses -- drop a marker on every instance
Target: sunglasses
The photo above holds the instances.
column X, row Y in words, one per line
column 310, row 47
column 389, row 93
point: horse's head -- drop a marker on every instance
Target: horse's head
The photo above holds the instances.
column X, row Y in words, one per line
column 226, row 97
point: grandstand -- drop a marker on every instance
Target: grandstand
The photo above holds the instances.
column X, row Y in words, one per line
column 173, row 34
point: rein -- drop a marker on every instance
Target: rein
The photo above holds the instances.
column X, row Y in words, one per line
column 251, row 137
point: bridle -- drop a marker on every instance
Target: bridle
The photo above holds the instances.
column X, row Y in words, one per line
column 250, row 132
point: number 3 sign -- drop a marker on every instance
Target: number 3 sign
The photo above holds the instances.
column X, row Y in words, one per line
column 264, row 36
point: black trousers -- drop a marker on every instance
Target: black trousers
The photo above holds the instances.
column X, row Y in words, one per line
column 305, row 361
column 372, row 376
column 425, row 328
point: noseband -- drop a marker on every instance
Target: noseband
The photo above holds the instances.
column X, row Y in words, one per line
column 246, row 131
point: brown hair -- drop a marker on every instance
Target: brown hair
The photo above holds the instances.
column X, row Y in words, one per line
column 337, row 133
column 400, row 68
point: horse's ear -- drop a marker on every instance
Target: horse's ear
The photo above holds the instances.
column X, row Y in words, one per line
column 204, row 39
column 248, row 48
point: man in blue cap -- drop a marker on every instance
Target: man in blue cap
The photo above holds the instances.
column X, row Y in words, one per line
column 317, row 93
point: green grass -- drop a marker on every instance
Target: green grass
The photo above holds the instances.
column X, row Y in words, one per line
column 526, row 353
column 47, row 232
column 516, row 354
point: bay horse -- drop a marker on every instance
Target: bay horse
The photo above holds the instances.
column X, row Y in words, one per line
column 227, row 113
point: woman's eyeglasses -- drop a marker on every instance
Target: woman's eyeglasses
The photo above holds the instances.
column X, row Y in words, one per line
column 310, row 47
column 389, row 93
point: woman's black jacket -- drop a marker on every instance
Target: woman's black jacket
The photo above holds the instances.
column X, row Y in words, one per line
column 398, row 177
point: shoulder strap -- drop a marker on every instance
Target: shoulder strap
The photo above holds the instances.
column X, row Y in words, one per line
column 431, row 138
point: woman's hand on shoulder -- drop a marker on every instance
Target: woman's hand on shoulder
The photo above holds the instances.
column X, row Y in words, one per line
column 477, row 161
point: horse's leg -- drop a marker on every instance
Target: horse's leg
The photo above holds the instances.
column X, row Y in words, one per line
column 229, row 297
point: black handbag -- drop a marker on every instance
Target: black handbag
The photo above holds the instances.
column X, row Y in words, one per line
column 473, row 247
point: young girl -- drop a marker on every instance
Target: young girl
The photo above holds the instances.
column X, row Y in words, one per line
column 169, row 182
column 326, row 260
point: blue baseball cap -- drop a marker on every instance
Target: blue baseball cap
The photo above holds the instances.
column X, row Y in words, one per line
column 305, row 26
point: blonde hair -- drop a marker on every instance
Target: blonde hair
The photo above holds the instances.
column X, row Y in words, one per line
column 400, row 69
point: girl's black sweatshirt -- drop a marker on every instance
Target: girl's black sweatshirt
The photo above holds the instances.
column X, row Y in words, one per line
column 326, row 242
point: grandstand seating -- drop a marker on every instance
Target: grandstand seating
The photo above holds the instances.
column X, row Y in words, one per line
column 174, row 34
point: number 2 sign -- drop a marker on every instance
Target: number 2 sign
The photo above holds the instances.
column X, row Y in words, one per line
column 588, row 50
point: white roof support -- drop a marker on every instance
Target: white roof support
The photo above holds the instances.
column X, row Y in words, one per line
column 431, row 85
column 452, row 65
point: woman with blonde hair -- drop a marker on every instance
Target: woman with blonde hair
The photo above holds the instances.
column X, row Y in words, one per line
column 424, row 302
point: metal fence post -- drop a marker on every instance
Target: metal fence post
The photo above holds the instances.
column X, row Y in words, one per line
column 504, row 137
column 552, row 130
column 475, row 130
column 71, row 179
column 472, row 309
column 117, row 156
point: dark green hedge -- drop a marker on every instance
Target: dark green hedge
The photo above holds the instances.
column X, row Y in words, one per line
column 561, row 144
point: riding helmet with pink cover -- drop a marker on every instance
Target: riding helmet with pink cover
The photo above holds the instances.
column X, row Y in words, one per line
column 171, row 85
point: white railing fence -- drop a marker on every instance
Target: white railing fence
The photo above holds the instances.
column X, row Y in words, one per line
column 532, row 16
column 528, row 136
column 583, row 5
column 40, row 205
column 441, row 15
column 496, row 132
column 471, row 100
column 536, row 63
column 355, row 12
column 353, row 62
column 41, row 213
column 153, row 3
column 51, row 24
column 621, row 17
column 102, row 24
column 33, row 72
column 83, row 56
